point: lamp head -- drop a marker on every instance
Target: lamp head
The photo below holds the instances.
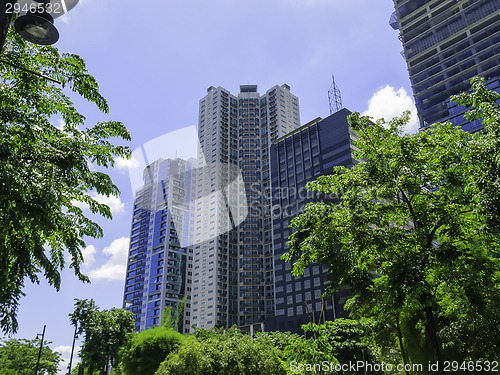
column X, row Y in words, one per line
column 37, row 27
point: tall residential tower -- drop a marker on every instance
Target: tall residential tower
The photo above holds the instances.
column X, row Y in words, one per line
column 233, row 261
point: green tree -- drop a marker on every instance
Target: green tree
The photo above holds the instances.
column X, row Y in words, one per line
column 19, row 357
column 148, row 349
column 418, row 223
column 105, row 333
column 280, row 340
column 173, row 316
column 218, row 352
column 350, row 341
column 45, row 170
column 301, row 354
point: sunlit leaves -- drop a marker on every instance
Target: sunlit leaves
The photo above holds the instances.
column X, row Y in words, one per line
column 105, row 333
column 19, row 357
column 420, row 212
column 44, row 169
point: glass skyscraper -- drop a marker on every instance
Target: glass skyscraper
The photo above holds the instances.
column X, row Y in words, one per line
column 158, row 271
column 446, row 43
column 297, row 158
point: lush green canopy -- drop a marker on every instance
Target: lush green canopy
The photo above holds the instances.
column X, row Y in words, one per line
column 105, row 333
column 19, row 357
column 45, row 170
column 217, row 352
column 418, row 224
column 147, row 349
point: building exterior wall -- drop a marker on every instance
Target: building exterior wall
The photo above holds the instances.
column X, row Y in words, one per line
column 233, row 262
column 158, row 269
column 296, row 159
column 446, row 43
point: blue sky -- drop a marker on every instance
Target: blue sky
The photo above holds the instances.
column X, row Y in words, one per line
column 154, row 61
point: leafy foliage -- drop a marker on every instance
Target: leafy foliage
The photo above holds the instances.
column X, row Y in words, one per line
column 349, row 340
column 231, row 352
column 148, row 349
column 105, row 332
column 19, row 357
column 280, row 340
column 418, row 224
column 45, row 170
column 316, row 349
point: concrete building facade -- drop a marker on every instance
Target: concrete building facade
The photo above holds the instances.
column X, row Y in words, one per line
column 233, row 279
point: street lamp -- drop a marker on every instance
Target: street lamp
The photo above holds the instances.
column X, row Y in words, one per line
column 37, row 26
column 75, row 336
column 40, row 350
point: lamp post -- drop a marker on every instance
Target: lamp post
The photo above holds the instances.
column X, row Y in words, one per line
column 75, row 336
column 40, row 350
column 37, row 24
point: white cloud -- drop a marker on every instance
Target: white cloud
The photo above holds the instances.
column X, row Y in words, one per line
column 89, row 256
column 388, row 103
column 65, row 352
column 114, row 203
column 63, row 349
column 60, row 124
column 127, row 164
column 115, row 267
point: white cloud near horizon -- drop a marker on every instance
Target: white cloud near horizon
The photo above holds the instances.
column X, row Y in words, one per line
column 388, row 103
column 116, row 265
column 65, row 351
column 114, row 203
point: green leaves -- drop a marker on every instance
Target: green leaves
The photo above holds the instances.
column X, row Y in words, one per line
column 229, row 352
column 44, row 169
column 420, row 212
column 148, row 349
column 105, row 331
column 19, row 357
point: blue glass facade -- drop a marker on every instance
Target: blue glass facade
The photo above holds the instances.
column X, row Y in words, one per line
column 158, row 270
column 296, row 159
column 446, row 43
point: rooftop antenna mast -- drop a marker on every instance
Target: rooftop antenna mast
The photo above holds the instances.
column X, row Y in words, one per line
column 334, row 97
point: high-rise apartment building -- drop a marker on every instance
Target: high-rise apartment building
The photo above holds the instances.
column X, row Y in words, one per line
column 446, row 43
column 233, row 256
column 202, row 228
column 297, row 158
column 158, row 269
